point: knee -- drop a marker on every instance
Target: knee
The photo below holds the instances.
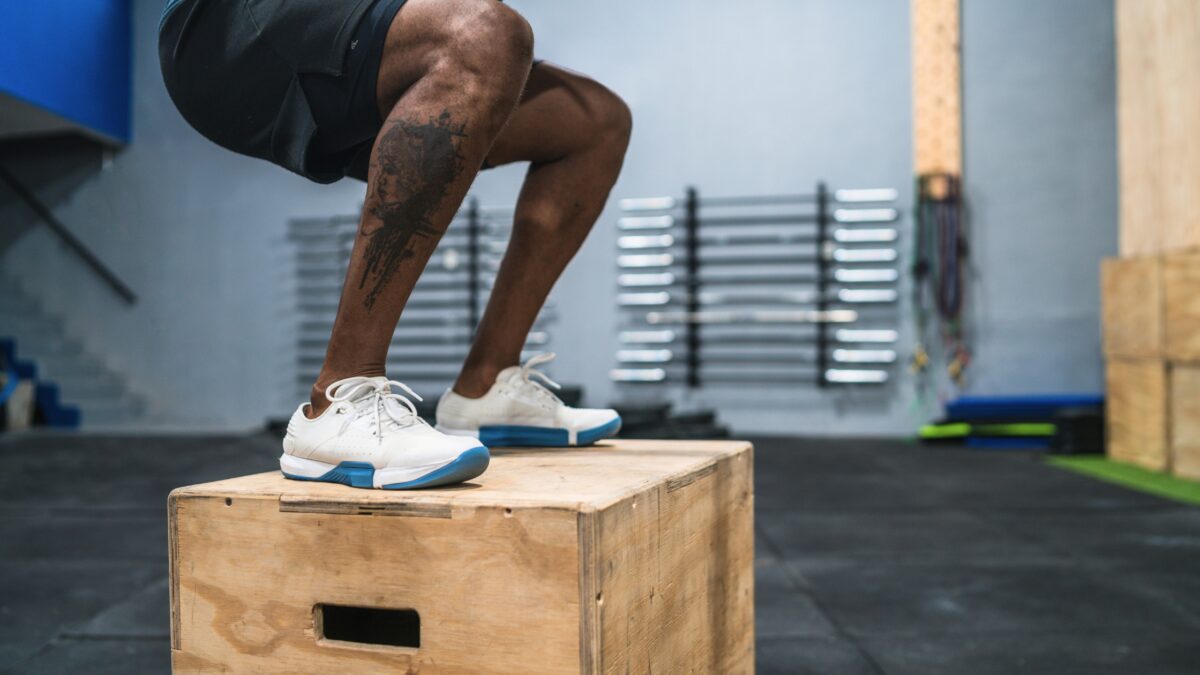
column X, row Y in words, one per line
column 611, row 118
column 617, row 119
column 509, row 34
column 490, row 43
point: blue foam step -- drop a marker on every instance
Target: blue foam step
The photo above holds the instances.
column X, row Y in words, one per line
column 26, row 370
column 54, row 412
column 46, row 399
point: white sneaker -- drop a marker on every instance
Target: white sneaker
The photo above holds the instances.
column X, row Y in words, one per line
column 519, row 411
column 372, row 437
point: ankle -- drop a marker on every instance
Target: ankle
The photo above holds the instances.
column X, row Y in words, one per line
column 318, row 403
column 474, row 381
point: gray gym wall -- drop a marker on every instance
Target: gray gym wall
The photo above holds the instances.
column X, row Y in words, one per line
column 1039, row 84
column 750, row 97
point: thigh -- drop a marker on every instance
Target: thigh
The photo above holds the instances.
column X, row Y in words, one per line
column 422, row 39
column 559, row 113
column 415, row 42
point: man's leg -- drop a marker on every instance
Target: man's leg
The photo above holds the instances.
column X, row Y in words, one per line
column 451, row 75
column 574, row 132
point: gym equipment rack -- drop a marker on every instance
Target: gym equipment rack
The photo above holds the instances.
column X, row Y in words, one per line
column 766, row 289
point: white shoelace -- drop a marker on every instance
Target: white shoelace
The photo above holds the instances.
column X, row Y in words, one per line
column 380, row 394
column 528, row 373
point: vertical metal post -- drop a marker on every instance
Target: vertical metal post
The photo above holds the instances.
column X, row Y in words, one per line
column 473, row 227
column 822, row 284
column 691, row 224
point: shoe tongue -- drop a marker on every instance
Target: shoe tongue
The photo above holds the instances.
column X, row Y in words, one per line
column 396, row 409
column 366, row 389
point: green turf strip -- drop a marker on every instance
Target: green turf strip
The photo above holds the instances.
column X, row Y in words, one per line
column 1135, row 478
column 932, row 432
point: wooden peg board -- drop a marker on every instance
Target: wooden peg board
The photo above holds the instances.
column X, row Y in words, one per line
column 937, row 88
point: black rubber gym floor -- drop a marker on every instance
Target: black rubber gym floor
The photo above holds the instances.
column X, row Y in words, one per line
column 873, row 557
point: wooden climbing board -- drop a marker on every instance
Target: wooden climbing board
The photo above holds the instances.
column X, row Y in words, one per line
column 937, row 88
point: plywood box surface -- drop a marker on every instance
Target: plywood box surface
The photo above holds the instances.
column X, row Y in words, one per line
column 630, row 556
column 1137, row 412
column 1158, row 102
column 1185, row 421
column 1181, row 294
column 1132, row 306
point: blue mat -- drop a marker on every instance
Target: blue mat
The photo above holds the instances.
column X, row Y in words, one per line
column 1016, row 408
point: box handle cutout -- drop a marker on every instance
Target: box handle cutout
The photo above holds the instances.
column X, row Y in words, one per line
column 368, row 625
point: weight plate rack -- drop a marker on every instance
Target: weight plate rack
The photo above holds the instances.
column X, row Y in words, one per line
column 766, row 289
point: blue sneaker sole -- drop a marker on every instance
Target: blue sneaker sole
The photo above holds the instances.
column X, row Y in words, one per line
column 506, row 435
column 468, row 465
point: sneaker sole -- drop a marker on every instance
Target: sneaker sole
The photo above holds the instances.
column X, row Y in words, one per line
column 509, row 435
column 468, row 465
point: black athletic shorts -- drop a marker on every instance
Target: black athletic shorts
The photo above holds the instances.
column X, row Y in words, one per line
column 289, row 81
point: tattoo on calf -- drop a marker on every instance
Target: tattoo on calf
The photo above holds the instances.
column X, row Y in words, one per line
column 417, row 164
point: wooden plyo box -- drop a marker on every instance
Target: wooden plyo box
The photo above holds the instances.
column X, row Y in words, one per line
column 1181, row 297
column 1158, row 120
column 1137, row 410
column 1185, row 421
column 629, row 556
column 1132, row 306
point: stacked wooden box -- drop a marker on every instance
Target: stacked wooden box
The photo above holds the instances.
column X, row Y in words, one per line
column 1151, row 294
column 1152, row 346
